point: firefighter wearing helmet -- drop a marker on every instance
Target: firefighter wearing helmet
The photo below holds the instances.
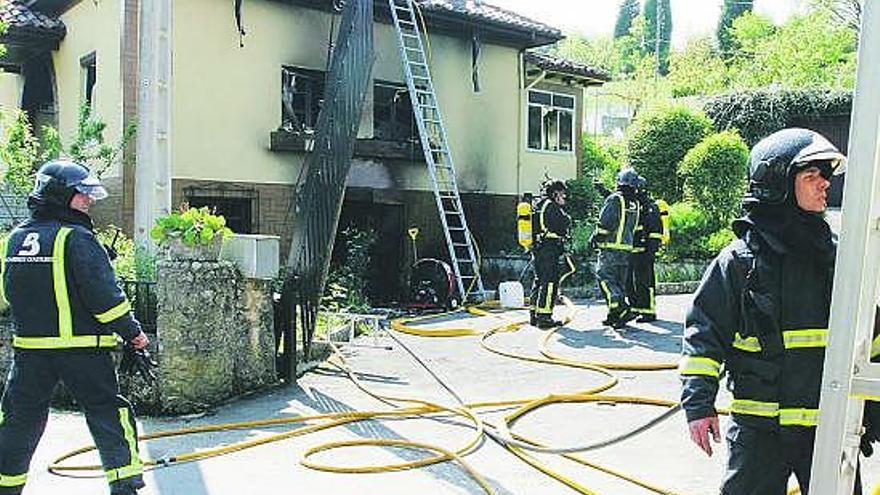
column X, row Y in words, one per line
column 550, row 225
column 641, row 282
column 68, row 311
column 761, row 315
column 618, row 219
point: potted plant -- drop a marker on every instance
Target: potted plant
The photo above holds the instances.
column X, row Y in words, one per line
column 191, row 234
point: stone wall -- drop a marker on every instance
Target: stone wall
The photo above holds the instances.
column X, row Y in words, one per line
column 215, row 334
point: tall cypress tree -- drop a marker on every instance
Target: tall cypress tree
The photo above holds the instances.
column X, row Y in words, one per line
column 729, row 12
column 629, row 10
column 649, row 44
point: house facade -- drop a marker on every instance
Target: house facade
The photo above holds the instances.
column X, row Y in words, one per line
column 243, row 108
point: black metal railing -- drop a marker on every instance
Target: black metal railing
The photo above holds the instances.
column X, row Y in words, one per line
column 142, row 296
column 319, row 199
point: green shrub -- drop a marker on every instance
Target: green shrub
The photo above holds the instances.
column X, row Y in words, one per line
column 348, row 282
column 693, row 235
column 600, row 157
column 132, row 262
column 688, row 228
column 658, row 141
column 719, row 240
column 714, row 173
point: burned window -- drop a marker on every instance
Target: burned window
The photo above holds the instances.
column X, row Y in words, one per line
column 240, row 205
column 302, row 91
column 89, row 66
column 392, row 113
column 551, row 121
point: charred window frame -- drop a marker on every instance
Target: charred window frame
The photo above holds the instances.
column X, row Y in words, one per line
column 550, row 122
column 393, row 118
column 302, row 92
column 239, row 205
column 89, row 70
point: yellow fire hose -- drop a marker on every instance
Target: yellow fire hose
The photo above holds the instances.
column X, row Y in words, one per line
column 404, row 407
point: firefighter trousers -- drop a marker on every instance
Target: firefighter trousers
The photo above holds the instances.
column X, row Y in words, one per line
column 90, row 376
column 760, row 462
column 642, row 284
column 611, row 270
column 547, row 258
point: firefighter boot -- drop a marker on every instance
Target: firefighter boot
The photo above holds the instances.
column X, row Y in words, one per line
column 623, row 318
column 647, row 318
column 128, row 486
column 533, row 318
column 546, row 321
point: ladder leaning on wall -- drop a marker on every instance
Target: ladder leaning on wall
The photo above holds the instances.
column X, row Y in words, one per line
column 432, row 134
column 849, row 377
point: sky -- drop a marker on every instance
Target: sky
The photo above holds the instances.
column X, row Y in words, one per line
column 594, row 17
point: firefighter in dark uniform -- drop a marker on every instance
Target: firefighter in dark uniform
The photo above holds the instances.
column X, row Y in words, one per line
column 646, row 242
column 66, row 306
column 761, row 314
column 614, row 238
column 551, row 225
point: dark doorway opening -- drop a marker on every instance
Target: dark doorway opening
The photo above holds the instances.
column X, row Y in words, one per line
column 388, row 259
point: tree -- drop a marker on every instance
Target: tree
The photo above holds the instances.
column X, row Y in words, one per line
column 847, row 12
column 729, row 12
column 658, row 32
column 697, row 69
column 629, row 10
column 808, row 51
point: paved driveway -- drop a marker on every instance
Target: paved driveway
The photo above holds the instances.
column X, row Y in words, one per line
column 663, row 456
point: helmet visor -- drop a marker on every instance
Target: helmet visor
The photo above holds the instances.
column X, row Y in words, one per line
column 91, row 187
column 821, row 150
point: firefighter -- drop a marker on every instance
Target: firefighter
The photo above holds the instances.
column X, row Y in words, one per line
column 550, row 225
column 66, row 306
column 641, row 283
column 614, row 238
column 761, row 315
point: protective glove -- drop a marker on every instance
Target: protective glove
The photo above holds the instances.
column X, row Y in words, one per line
column 138, row 362
column 871, row 422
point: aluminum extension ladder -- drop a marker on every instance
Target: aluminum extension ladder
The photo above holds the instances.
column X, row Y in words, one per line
column 435, row 145
column 849, row 377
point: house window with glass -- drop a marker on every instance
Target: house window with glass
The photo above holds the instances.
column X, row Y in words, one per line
column 393, row 113
column 89, row 69
column 302, row 91
column 551, row 121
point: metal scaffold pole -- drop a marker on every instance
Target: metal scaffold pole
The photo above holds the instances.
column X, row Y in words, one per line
column 849, row 377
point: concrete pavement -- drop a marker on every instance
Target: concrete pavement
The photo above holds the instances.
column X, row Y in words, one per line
column 662, row 456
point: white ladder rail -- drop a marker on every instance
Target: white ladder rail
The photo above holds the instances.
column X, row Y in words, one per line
column 848, row 375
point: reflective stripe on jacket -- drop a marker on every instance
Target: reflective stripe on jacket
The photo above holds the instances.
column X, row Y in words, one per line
column 774, row 373
column 550, row 221
column 62, row 289
column 618, row 220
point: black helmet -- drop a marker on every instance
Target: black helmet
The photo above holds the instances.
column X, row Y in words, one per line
column 57, row 182
column 629, row 177
column 778, row 157
column 551, row 186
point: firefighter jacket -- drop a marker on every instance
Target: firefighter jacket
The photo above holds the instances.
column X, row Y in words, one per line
column 649, row 232
column 761, row 316
column 617, row 223
column 550, row 222
column 59, row 283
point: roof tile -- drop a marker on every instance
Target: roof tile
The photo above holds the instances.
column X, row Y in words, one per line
column 20, row 18
column 482, row 11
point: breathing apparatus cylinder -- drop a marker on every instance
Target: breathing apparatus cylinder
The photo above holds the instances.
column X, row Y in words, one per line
column 663, row 206
column 524, row 222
